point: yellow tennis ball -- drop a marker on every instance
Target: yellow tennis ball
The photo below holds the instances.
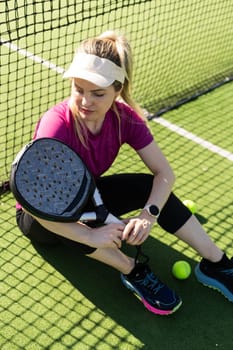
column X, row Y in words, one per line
column 190, row 205
column 181, row 269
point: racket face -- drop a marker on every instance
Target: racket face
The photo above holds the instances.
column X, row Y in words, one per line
column 51, row 181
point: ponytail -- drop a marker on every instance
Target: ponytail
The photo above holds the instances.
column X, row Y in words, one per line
column 117, row 49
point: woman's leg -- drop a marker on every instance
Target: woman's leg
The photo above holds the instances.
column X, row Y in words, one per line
column 194, row 235
column 115, row 258
column 123, row 193
column 191, row 233
column 32, row 229
column 130, row 192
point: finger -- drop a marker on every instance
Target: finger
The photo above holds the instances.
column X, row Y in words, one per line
column 138, row 238
column 128, row 229
column 117, row 242
column 116, row 237
column 135, row 236
column 117, row 226
column 141, row 240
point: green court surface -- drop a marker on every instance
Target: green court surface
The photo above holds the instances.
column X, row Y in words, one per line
column 178, row 48
column 54, row 299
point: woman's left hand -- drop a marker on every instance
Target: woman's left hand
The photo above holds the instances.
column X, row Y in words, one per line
column 137, row 230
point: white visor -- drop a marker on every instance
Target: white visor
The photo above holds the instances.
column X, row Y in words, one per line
column 100, row 71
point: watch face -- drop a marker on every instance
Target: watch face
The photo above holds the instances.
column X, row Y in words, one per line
column 154, row 210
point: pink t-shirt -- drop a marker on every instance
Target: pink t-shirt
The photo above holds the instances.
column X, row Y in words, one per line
column 103, row 147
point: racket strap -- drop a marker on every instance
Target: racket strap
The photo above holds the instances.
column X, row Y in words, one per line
column 141, row 256
column 101, row 213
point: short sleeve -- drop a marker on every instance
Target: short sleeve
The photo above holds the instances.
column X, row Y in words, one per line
column 135, row 131
column 55, row 123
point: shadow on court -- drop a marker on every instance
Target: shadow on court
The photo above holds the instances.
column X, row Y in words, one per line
column 203, row 322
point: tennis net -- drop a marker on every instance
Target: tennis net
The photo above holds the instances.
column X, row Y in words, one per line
column 181, row 50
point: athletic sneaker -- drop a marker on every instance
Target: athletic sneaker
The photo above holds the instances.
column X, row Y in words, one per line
column 217, row 275
column 153, row 293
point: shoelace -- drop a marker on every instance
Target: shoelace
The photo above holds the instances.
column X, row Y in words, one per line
column 228, row 272
column 151, row 282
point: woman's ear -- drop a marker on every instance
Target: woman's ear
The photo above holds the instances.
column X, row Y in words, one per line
column 118, row 93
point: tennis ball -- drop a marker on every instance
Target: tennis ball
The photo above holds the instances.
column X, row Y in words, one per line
column 190, row 205
column 181, row 269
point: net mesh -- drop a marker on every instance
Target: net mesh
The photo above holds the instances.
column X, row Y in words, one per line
column 53, row 298
column 181, row 49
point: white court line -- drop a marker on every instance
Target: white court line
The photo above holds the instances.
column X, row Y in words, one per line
column 32, row 57
column 188, row 135
column 182, row 132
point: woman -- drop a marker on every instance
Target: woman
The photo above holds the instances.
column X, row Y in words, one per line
column 95, row 124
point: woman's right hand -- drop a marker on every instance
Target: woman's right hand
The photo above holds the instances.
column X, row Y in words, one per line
column 106, row 236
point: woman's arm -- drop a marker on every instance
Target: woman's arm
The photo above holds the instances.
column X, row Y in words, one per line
column 101, row 237
column 164, row 177
column 137, row 229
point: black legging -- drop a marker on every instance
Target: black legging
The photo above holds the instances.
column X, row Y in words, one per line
column 121, row 194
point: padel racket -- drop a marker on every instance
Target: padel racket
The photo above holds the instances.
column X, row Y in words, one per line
column 51, row 181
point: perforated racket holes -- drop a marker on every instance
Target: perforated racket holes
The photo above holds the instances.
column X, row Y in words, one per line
column 35, row 193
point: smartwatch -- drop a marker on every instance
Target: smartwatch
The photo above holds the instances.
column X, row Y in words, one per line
column 152, row 210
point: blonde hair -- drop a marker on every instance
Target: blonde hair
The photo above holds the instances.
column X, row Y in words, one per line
column 117, row 49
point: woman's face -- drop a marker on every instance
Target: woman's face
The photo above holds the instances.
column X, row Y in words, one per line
column 92, row 101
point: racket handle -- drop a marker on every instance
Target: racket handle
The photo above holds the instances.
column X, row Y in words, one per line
column 97, row 198
column 91, row 216
column 101, row 214
column 110, row 219
column 88, row 216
